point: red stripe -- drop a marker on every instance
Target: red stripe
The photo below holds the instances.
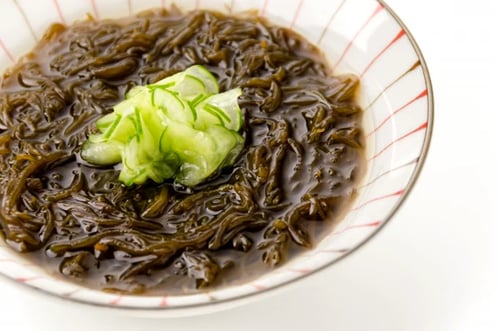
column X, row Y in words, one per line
column 332, row 17
column 264, row 8
column 163, row 3
column 395, row 194
column 366, row 225
column 421, row 127
column 94, row 8
column 258, row 287
column 59, row 11
column 164, row 302
column 349, row 45
column 28, row 279
column 297, row 12
column 393, row 41
column 6, row 51
column 299, row 271
column 197, row 4
column 116, row 300
column 421, row 95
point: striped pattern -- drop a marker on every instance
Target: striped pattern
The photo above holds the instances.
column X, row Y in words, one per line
column 377, row 10
column 396, row 96
column 59, row 11
column 330, row 20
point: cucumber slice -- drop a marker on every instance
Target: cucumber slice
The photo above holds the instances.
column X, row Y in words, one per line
column 141, row 162
column 173, row 106
column 207, row 116
column 222, row 107
column 104, row 122
column 229, row 144
column 215, row 148
column 205, row 77
column 190, row 87
column 131, row 172
column 210, row 82
column 186, row 140
column 102, row 153
column 134, row 91
column 165, row 167
column 195, row 149
column 119, row 130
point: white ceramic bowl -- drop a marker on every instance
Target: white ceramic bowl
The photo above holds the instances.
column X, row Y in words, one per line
column 360, row 36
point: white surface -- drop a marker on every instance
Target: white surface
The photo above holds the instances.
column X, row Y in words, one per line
column 436, row 266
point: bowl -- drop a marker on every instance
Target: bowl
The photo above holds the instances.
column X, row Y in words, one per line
column 364, row 37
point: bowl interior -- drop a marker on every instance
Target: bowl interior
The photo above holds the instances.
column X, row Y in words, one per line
column 357, row 36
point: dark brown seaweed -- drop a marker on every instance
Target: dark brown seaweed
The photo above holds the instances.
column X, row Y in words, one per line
column 302, row 156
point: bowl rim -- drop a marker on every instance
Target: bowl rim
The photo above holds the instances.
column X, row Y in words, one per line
column 390, row 215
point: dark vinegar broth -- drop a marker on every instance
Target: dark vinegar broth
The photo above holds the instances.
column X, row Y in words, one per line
column 297, row 173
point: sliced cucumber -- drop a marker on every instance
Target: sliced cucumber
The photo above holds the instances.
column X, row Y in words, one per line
column 209, row 83
column 229, row 144
column 176, row 128
column 119, row 130
column 134, row 91
column 102, row 153
column 132, row 172
column 190, row 87
column 223, row 106
column 104, row 122
column 200, row 72
column 225, row 145
column 173, row 106
column 207, row 117
column 196, row 150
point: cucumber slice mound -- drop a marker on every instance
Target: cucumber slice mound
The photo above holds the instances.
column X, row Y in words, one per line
column 179, row 128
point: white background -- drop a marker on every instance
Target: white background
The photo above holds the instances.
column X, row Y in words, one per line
column 436, row 266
